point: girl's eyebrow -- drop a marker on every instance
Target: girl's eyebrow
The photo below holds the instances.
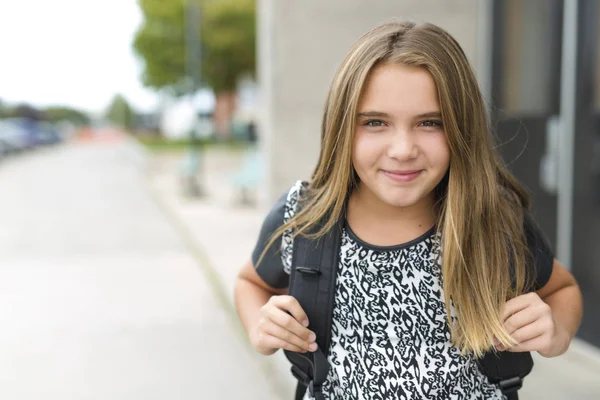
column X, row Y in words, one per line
column 432, row 114
column 373, row 114
column 379, row 114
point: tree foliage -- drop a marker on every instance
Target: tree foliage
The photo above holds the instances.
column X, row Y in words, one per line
column 56, row 114
column 51, row 114
column 227, row 39
column 230, row 42
column 160, row 43
column 120, row 112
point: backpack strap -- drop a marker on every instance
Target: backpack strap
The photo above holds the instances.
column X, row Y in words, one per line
column 507, row 370
column 312, row 283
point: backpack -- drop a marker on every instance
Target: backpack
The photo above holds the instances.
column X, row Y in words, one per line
column 312, row 283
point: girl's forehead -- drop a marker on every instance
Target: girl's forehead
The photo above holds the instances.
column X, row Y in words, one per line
column 398, row 88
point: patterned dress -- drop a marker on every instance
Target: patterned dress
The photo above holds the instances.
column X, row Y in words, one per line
column 390, row 338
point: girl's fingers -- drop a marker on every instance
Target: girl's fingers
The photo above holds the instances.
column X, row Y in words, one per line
column 291, row 305
column 528, row 333
column 288, row 322
column 534, row 344
column 289, row 337
column 519, row 303
column 273, row 342
column 520, row 320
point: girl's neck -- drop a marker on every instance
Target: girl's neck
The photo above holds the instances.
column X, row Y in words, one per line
column 382, row 224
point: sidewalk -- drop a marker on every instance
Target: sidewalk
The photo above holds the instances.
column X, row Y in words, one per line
column 219, row 232
column 99, row 298
column 225, row 234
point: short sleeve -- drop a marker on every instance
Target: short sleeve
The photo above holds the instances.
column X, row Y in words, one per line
column 270, row 268
column 276, row 265
column 542, row 256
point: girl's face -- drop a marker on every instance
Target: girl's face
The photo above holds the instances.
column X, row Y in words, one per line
column 400, row 148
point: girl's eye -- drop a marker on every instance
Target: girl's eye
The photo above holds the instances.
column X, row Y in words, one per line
column 432, row 124
column 374, row 123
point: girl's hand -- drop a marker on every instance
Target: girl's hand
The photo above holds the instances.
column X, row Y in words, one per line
column 282, row 325
column 530, row 322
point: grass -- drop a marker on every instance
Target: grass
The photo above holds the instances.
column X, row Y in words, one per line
column 166, row 145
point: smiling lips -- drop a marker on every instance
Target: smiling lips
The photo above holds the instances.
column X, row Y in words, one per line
column 402, row 176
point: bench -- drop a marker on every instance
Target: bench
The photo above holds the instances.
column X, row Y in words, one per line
column 250, row 175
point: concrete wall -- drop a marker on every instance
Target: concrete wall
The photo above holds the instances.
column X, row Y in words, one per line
column 301, row 43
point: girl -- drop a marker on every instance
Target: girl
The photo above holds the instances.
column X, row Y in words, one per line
column 440, row 260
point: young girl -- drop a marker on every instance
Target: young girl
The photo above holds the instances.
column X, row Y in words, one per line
column 440, row 260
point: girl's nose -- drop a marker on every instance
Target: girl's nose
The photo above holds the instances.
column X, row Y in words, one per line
column 403, row 146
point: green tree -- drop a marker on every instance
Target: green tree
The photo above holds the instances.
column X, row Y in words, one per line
column 229, row 40
column 227, row 37
column 160, row 44
column 56, row 114
column 120, row 112
column 227, row 30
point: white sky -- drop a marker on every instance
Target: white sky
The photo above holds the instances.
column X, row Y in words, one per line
column 70, row 52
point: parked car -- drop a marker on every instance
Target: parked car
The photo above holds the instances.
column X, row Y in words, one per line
column 14, row 137
column 48, row 134
column 5, row 148
column 31, row 128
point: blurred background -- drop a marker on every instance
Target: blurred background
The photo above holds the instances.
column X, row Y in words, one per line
column 143, row 141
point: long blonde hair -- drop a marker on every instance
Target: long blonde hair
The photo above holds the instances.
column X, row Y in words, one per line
column 480, row 213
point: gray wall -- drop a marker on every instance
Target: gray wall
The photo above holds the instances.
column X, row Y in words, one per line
column 301, row 43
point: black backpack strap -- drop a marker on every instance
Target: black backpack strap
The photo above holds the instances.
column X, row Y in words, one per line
column 507, row 370
column 312, row 283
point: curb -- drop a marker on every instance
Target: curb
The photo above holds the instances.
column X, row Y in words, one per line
column 203, row 261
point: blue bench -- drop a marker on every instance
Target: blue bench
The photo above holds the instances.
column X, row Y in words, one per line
column 250, row 175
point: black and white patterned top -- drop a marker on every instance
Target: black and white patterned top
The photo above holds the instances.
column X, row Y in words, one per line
column 390, row 338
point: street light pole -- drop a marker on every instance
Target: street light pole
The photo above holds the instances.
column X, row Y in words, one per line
column 192, row 164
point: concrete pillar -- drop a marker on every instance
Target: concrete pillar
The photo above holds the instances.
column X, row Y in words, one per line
column 301, row 43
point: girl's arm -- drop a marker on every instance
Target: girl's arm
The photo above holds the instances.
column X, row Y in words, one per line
column 545, row 321
column 271, row 319
column 563, row 296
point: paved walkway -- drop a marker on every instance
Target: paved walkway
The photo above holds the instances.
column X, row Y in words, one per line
column 100, row 296
column 226, row 233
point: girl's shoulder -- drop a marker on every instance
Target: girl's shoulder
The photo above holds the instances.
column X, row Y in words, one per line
column 294, row 196
column 285, row 206
column 273, row 262
column 291, row 207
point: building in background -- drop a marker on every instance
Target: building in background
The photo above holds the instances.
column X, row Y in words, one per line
column 544, row 86
column 544, row 101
